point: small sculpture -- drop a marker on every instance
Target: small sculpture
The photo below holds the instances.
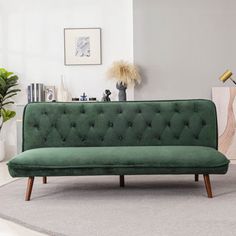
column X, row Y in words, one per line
column 106, row 95
column 83, row 97
column 126, row 74
column 122, row 91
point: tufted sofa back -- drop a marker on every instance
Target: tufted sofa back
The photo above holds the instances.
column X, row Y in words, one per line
column 146, row 123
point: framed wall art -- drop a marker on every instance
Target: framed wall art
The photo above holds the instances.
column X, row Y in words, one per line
column 50, row 94
column 82, row 46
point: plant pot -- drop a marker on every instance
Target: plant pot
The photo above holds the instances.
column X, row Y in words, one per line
column 122, row 91
column 2, row 150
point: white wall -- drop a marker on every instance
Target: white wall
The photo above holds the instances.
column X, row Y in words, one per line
column 31, row 43
column 183, row 46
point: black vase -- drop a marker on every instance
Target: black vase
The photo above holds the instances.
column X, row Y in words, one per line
column 122, row 91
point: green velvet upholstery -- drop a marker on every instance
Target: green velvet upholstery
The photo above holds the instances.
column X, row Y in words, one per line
column 139, row 159
column 120, row 124
column 147, row 137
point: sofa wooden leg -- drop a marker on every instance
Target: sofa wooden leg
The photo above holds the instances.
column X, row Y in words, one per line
column 44, row 179
column 122, row 181
column 29, row 188
column 196, row 178
column 208, row 185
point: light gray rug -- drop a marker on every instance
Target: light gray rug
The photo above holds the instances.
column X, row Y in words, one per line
column 147, row 206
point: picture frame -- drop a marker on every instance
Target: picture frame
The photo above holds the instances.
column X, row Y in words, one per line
column 82, row 46
column 50, row 93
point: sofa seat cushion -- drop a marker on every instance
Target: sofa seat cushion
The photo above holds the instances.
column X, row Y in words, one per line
column 40, row 161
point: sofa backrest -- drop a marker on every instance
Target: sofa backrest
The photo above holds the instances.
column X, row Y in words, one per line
column 147, row 123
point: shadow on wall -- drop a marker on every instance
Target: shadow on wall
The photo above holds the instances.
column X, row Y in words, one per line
column 143, row 84
column 143, row 76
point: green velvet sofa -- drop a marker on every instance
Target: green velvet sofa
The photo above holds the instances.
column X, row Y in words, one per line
column 119, row 138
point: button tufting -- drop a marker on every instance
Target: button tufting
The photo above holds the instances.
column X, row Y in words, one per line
column 83, row 139
column 139, row 137
column 110, row 124
column 176, row 109
column 135, row 124
column 91, row 124
column 130, row 124
column 186, row 123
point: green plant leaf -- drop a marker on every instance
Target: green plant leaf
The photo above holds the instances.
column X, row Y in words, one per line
column 9, row 96
column 7, row 115
column 9, row 74
column 7, row 83
column 13, row 78
column 13, row 91
column 7, row 103
column 2, row 82
column 3, row 71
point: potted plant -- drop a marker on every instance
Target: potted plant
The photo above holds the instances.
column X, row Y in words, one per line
column 126, row 74
column 8, row 82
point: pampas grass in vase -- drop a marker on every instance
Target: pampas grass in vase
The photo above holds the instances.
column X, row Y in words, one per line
column 126, row 74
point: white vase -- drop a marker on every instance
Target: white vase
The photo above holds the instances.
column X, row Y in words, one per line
column 62, row 93
column 2, row 149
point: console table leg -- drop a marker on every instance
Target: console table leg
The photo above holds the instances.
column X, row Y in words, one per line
column 196, row 178
column 44, row 179
column 122, row 181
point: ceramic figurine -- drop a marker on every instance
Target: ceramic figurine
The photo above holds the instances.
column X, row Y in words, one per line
column 83, row 97
column 106, row 95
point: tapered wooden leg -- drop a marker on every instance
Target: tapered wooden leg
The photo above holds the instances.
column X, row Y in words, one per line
column 122, row 181
column 208, row 185
column 29, row 188
column 196, row 178
column 44, row 179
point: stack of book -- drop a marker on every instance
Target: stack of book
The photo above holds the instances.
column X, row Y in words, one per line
column 35, row 92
